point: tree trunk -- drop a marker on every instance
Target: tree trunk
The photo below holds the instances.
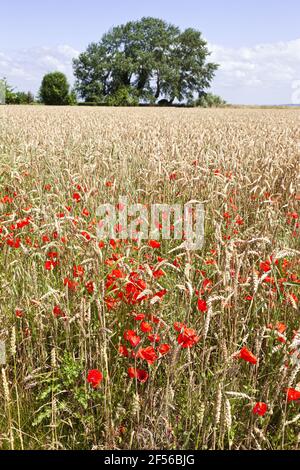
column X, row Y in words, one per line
column 157, row 87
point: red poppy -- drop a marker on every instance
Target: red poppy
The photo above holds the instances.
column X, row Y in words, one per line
column 160, row 293
column 139, row 374
column 123, row 351
column 78, row 271
column 132, row 337
column 146, row 327
column 179, row 326
column 260, row 409
column 292, row 394
column 154, row 338
column 90, row 287
column 139, row 317
column 188, row 338
column 57, row 312
column 94, row 378
column 85, row 212
column 158, row 273
column 164, row 349
column 154, row 244
column 202, row 305
column 265, row 266
column 70, row 284
column 247, row 356
column 76, row 197
column 45, row 239
column 19, row 313
column 50, row 265
column 86, row 235
column 281, row 327
column 148, row 354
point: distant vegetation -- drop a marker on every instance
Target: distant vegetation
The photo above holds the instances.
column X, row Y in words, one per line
column 146, row 61
column 16, row 97
column 55, row 90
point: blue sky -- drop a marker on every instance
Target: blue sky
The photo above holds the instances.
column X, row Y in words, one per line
column 257, row 43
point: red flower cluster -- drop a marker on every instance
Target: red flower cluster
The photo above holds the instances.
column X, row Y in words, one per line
column 187, row 338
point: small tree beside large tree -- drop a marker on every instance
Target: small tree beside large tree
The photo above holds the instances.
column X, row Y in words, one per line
column 146, row 61
column 55, row 89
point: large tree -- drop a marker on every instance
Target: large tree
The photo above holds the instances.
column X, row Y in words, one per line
column 149, row 59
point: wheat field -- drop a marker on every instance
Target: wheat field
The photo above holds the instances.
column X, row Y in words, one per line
column 142, row 345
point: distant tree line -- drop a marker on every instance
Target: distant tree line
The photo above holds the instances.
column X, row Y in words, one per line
column 145, row 62
column 16, row 97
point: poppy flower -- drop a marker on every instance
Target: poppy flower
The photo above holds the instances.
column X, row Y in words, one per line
column 260, row 409
column 139, row 317
column 202, row 305
column 57, row 312
column 292, row 394
column 123, row 351
column 148, row 354
column 78, row 271
column 179, row 326
column 139, row 374
column 132, row 337
column 154, row 244
column 146, row 327
column 86, row 235
column 85, row 212
column 281, row 327
column 90, row 287
column 50, row 265
column 265, row 266
column 70, row 284
column 76, row 197
column 188, row 338
column 247, row 356
column 154, row 338
column 164, row 349
column 160, row 293
column 158, row 273
column 94, row 378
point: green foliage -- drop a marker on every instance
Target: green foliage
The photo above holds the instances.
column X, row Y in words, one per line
column 123, row 96
column 63, row 397
column 55, row 89
column 72, row 98
column 208, row 100
column 16, row 97
column 148, row 60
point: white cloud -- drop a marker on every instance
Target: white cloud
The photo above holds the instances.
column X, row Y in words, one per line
column 262, row 74
column 25, row 68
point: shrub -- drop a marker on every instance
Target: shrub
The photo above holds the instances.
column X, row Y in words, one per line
column 55, row 89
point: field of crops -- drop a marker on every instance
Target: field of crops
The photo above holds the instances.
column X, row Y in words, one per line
column 128, row 344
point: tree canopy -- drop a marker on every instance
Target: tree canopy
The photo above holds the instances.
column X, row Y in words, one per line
column 55, row 89
column 146, row 60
